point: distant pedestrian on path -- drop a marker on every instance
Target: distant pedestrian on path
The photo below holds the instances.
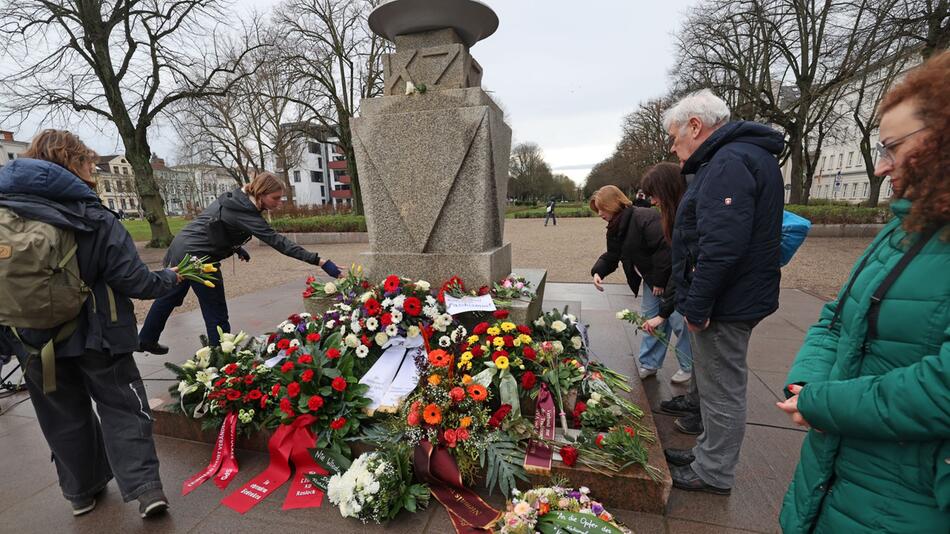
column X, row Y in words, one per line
column 641, row 201
column 635, row 240
column 219, row 232
column 726, row 259
column 550, row 212
column 872, row 380
column 53, row 183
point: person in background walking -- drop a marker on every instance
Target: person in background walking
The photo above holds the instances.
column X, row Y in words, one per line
column 550, row 212
column 726, row 265
column 219, row 232
column 871, row 382
column 635, row 240
column 641, row 201
column 52, row 182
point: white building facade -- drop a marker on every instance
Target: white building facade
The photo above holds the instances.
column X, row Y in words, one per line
column 10, row 148
column 320, row 178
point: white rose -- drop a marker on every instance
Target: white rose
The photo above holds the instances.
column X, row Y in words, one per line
column 288, row 328
column 329, row 288
column 352, row 341
column 576, row 342
column 540, row 322
column 559, row 346
column 372, row 324
column 381, row 338
column 413, row 331
column 558, row 326
column 392, row 330
column 422, row 285
column 227, row 347
column 362, row 351
column 622, row 314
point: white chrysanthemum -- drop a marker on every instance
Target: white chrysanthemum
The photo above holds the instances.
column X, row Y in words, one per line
column 351, row 341
column 381, row 338
column 372, row 324
column 558, row 326
column 346, row 308
column 397, row 316
column 430, row 300
column 399, row 300
column 294, row 342
column 362, row 351
column 386, row 303
column 430, row 311
column 392, row 330
column 288, row 328
column 576, row 342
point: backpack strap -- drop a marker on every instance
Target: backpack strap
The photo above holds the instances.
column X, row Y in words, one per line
column 854, row 277
column 875, row 309
column 47, row 353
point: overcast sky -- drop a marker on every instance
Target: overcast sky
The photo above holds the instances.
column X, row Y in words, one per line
column 566, row 72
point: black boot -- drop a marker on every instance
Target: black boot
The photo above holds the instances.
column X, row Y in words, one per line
column 679, row 456
column 679, row 405
column 689, row 424
column 154, row 347
column 685, row 478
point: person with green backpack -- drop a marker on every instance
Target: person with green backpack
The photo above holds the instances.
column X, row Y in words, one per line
column 68, row 271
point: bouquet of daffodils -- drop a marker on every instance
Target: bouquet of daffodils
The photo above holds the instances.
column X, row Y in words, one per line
column 196, row 270
column 557, row 509
column 377, row 486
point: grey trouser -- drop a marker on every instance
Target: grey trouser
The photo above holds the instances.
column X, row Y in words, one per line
column 88, row 449
column 720, row 373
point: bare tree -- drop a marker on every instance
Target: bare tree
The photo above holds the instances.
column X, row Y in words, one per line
column 530, row 175
column 122, row 61
column 335, row 62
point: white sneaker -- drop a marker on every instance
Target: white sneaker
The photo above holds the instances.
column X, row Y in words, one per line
column 646, row 372
column 681, row 376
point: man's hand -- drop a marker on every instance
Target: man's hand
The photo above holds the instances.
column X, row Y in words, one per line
column 242, row 254
column 598, row 282
column 790, row 406
column 658, row 291
column 693, row 328
column 178, row 276
column 650, row 325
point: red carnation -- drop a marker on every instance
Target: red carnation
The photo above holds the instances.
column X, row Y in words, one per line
column 283, row 344
column 500, row 314
column 366, row 341
column 364, row 284
column 630, row 432
column 372, row 306
column 333, row 353
column 528, row 380
column 498, row 354
column 339, row 383
column 499, row 416
column 254, row 394
column 480, row 329
column 305, row 358
column 524, row 329
column 412, row 306
column 286, row 407
column 307, row 375
column 569, row 455
column 230, row 369
column 293, row 389
column 457, row 394
column 249, row 379
column 386, row 319
column 291, row 350
column 338, row 423
column 391, row 284
column 529, row 353
column 600, row 440
column 287, row 367
column 477, row 351
column 220, row 382
column 275, row 390
column 315, row 403
column 313, row 338
column 233, row 394
column 579, row 408
column 509, row 341
column 295, row 318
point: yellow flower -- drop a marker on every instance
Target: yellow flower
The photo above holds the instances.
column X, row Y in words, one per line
column 525, row 338
column 467, row 379
column 494, row 331
column 467, row 366
column 508, row 326
column 498, row 342
column 435, row 380
column 501, row 363
column 208, row 268
column 472, row 340
column 466, row 356
column 516, row 342
column 465, row 422
column 208, row 283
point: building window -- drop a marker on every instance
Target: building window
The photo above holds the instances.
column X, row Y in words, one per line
column 313, row 148
column 850, row 159
column 120, row 186
column 297, row 177
column 865, row 193
column 122, row 203
column 840, row 157
column 320, row 163
column 890, row 189
column 125, row 170
column 115, row 170
column 316, row 176
column 323, row 192
column 11, row 156
column 111, row 204
column 108, row 185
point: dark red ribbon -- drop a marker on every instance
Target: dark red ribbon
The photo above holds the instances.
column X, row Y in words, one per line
column 223, row 463
column 436, row 467
column 537, row 457
column 289, row 442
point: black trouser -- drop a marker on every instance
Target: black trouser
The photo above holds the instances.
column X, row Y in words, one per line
column 550, row 215
column 214, row 309
column 88, row 450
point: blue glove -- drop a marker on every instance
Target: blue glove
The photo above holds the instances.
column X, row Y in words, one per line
column 331, row 269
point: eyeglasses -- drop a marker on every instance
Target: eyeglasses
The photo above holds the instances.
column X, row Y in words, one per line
column 884, row 151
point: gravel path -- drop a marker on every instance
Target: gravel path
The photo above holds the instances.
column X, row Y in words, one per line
column 567, row 251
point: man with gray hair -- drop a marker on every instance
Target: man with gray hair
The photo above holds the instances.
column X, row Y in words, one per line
column 726, row 259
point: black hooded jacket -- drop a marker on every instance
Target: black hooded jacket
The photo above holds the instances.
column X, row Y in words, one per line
column 241, row 220
column 108, row 261
column 635, row 239
column 728, row 229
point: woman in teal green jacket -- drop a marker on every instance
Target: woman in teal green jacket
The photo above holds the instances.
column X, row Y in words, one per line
column 872, row 380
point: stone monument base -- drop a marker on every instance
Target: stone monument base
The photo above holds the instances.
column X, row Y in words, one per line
column 476, row 269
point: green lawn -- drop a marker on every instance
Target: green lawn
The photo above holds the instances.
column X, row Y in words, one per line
column 140, row 231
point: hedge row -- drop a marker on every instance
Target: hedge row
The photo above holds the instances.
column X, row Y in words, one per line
column 539, row 213
column 837, row 214
column 321, row 223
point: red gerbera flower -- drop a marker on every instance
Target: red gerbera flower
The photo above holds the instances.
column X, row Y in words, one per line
column 313, row 338
column 412, row 306
column 500, row 314
column 478, row 392
column 333, row 353
column 391, row 284
column 372, row 306
column 283, row 344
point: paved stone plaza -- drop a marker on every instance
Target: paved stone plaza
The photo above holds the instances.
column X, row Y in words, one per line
column 30, row 499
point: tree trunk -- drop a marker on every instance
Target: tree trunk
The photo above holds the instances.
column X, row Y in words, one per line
column 284, row 174
column 874, row 189
column 796, row 156
column 150, row 199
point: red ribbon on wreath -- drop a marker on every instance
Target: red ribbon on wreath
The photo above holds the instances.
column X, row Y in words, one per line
column 436, row 467
column 289, row 443
column 537, row 459
column 223, row 466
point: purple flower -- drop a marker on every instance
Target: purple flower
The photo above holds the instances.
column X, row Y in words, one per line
column 574, row 494
column 597, row 508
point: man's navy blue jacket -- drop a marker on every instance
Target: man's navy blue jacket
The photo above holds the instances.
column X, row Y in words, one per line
column 726, row 254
